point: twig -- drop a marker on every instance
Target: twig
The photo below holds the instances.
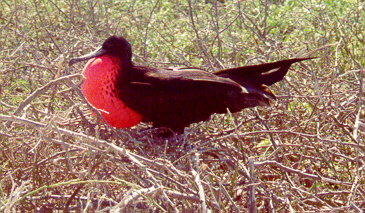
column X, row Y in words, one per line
column 40, row 91
column 315, row 197
column 316, row 177
column 45, row 28
column 81, row 185
column 203, row 203
column 133, row 195
column 221, row 187
column 203, row 48
column 15, row 194
column 251, row 199
column 356, row 208
column 64, row 147
column 146, row 33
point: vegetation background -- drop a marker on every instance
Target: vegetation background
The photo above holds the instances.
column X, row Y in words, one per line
column 305, row 153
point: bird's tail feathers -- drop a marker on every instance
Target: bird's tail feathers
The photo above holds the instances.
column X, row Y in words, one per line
column 267, row 73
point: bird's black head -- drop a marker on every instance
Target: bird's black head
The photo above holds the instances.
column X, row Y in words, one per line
column 115, row 46
column 118, row 46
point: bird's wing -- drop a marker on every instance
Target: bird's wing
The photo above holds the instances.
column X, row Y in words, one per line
column 177, row 98
column 181, row 77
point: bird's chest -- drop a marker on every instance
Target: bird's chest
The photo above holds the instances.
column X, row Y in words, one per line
column 102, row 89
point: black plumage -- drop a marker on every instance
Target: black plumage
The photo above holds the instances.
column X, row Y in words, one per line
column 177, row 97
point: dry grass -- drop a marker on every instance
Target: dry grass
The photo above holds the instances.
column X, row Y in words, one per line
column 305, row 153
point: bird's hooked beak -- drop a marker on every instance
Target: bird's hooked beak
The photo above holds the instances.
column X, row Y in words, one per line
column 98, row 52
